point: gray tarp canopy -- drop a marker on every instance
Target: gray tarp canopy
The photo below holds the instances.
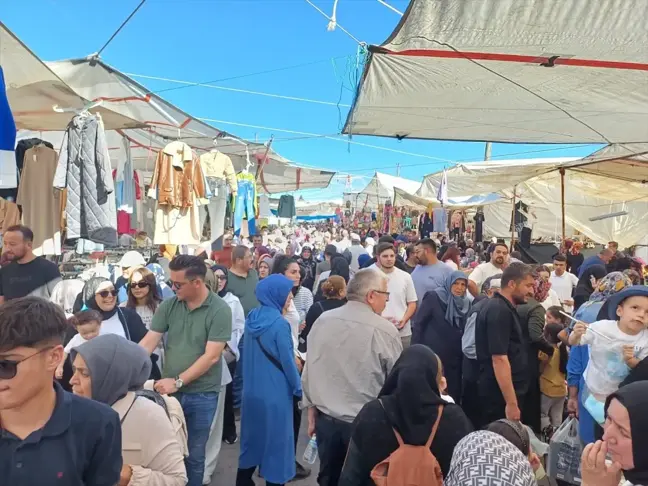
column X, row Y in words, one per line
column 95, row 80
column 521, row 71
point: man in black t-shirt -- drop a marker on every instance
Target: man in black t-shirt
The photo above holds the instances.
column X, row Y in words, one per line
column 27, row 274
column 501, row 350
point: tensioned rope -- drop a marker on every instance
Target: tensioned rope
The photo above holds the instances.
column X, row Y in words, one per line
column 120, row 28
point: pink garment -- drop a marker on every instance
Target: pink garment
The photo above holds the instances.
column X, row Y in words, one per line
column 124, row 223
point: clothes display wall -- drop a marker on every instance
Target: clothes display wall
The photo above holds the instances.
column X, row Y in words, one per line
column 245, row 203
column 388, row 211
column 21, row 147
column 41, row 203
column 286, row 208
column 219, row 176
column 84, row 170
column 264, row 207
column 177, row 183
column 8, row 172
column 127, row 194
column 440, row 217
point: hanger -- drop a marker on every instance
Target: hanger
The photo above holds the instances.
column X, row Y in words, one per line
column 79, row 111
column 248, row 164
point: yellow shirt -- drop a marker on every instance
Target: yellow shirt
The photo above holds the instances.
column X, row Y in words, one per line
column 552, row 381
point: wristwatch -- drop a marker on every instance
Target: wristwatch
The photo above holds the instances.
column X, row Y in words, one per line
column 178, row 382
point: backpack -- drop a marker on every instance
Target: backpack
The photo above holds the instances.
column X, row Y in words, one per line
column 410, row 465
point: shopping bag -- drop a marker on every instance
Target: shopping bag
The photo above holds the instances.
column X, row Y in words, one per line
column 565, row 451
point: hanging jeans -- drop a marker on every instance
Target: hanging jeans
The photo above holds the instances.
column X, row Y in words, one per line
column 216, row 209
column 244, row 206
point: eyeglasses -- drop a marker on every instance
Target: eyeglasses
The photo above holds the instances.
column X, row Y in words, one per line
column 179, row 285
column 383, row 292
column 105, row 293
column 9, row 367
column 221, row 277
column 139, row 285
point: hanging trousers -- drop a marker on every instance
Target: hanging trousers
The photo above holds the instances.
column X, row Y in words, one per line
column 244, row 206
column 216, row 209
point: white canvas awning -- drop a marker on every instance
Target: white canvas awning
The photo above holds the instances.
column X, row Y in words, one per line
column 522, row 71
column 608, row 181
column 33, row 90
column 412, row 201
column 164, row 122
column 380, row 189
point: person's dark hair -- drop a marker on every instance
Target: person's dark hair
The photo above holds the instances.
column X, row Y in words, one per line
column 560, row 258
column 555, row 312
column 27, row 233
column 516, row 272
column 31, row 322
column 551, row 334
column 451, row 253
column 500, row 244
column 239, row 252
column 514, row 432
column 429, row 243
column 281, row 263
column 516, row 254
column 409, row 249
column 85, row 317
column 193, row 266
column 384, row 247
column 386, row 239
column 622, row 264
column 330, row 250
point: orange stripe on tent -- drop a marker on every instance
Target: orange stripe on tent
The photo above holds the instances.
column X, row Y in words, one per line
column 145, row 99
column 488, row 56
column 298, row 178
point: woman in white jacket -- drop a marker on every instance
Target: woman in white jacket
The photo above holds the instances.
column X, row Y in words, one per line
column 224, row 425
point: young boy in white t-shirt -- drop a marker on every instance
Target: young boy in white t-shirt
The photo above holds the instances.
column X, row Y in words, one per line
column 88, row 325
column 616, row 346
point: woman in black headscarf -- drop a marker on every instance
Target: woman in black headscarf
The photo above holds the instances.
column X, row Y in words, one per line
column 339, row 266
column 625, row 440
column 585, row 287
column 409, row 403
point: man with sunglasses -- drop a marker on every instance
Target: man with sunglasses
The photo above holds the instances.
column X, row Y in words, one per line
column 27, row 274
column 198, row 324
column 48, row 436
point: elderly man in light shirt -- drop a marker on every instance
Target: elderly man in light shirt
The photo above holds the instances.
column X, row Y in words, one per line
column 351, row 350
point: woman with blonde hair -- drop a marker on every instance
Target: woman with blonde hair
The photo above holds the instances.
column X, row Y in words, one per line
column 334, row 292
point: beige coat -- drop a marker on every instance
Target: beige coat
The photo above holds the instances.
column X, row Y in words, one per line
column 149, row 443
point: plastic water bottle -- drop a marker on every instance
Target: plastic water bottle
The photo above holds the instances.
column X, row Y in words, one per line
column 310, row 454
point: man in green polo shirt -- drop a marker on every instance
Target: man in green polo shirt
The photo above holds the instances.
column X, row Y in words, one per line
column 198, row 324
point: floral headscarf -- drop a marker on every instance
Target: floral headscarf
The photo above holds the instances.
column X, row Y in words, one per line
column 610, row 284
column 541, row 289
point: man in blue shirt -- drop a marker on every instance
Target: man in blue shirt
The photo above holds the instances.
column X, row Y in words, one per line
column 603, row 258
column 48, row 436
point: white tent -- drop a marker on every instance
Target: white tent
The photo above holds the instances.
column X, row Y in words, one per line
column 95, row 80
column 33, row 90
column 380, row 189
column 612, row 180
column 531, row 71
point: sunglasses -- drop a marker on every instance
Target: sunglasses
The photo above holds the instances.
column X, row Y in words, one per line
column 9, row 367
column 179, row 285
column 105, row 293
column 139, row 285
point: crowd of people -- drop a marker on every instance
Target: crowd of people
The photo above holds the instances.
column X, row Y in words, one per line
column 411, row 360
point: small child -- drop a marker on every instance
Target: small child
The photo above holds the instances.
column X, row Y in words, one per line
column 552, row 380
column 88, row 325
column 615, row 346
column 554, row 316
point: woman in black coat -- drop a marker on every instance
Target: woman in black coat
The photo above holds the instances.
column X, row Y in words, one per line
column 439, row 323
column 409, row 403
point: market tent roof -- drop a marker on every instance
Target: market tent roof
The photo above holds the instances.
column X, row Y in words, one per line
column 412, row 201
column 556, row 71
column 33, row 90
column 379, row 189
column 596, row 186
column 95, row 80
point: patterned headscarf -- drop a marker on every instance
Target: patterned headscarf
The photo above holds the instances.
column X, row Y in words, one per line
column 541, row 289
column 610, row 284
column 488, row 458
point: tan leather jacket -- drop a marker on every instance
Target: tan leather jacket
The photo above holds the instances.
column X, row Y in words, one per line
column 178, row 176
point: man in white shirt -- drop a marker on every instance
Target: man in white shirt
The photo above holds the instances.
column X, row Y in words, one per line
column 401, row 305
column 344, row 242
column 563, row 282
column 496, row 266
column 355, row 250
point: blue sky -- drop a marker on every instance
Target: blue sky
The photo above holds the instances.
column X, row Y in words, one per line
column 209, row 40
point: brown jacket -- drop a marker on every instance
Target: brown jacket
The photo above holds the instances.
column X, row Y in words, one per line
column 178, row 176
column 149, row 443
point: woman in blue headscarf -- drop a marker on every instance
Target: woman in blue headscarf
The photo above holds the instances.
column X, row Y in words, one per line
column 439, row 322
column 270, row 383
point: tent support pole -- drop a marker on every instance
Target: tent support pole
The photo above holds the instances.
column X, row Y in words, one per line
column 562, row 203
column 264, row 160
column 513, row 221
column 487, row 151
